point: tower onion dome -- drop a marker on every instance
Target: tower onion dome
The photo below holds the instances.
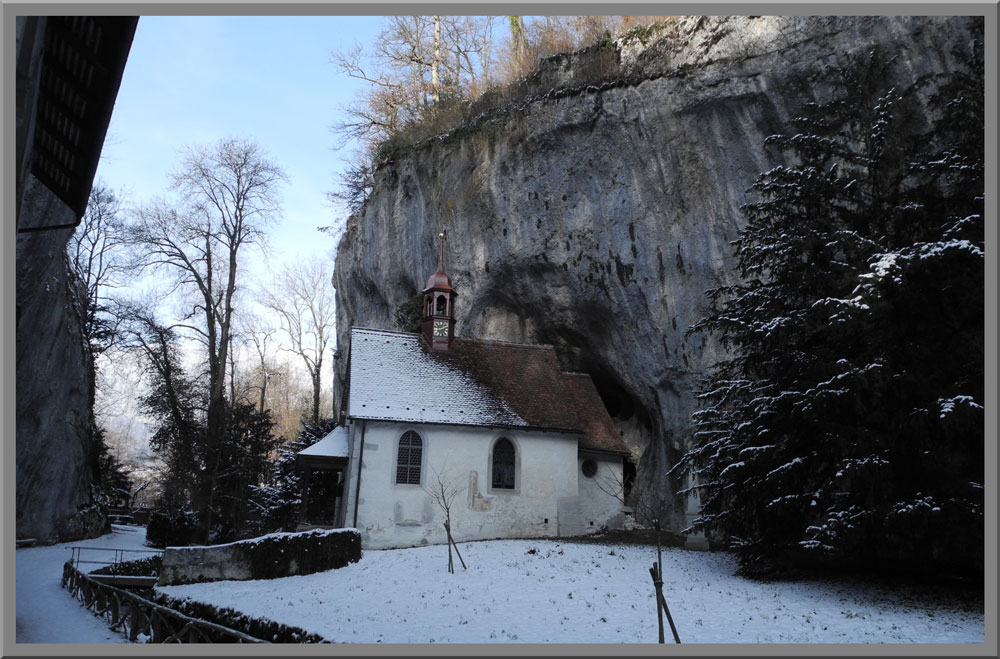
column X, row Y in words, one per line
column 440, row 279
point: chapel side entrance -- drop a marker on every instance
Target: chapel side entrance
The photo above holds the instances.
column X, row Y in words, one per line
column 322, row 490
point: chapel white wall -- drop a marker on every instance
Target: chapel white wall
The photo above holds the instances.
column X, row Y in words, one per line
column 601, row 495
column 394, row 515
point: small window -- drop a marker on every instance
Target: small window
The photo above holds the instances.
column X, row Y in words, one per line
column 408, row 459
column 589, row 468
column 503, row 465
column 442, row 305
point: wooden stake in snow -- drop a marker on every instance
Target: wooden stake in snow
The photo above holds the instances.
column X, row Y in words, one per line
column 656, row 572
column 657, row 584
column 452, row 543
column 451, row 563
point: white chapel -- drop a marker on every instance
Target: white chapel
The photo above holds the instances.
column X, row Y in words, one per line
column 525, row 449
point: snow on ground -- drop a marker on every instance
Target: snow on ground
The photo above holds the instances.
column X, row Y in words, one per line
column 45, row 612
column 544, row 591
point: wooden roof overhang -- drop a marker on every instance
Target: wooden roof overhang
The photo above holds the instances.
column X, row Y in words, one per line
column 320, row 462
column 83, row 59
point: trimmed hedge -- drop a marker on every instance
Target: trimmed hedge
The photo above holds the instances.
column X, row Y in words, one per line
column 143, row 567
column 267, row 557
column 312, row 551
column 262, row 628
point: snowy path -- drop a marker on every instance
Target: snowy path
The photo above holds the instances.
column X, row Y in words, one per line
column 539, row 591
column 45, row 612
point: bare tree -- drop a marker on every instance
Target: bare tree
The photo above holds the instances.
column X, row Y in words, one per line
column 415, row 63
column 119, row 385
column 518, row 42
column 99, row 259
column 289, row 399
column 302, row 297
column 443, row 492
column 265, row 369
column 376, row 114
column 230, row 195
column 651, row 506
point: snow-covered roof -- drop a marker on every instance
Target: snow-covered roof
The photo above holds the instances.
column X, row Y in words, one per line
column 394, row 377
column 333, row 445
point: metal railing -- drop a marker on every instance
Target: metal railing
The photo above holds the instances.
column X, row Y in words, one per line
column 141, row 620
column 118, row 555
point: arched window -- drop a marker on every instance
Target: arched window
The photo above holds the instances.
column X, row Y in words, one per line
column 503, row 464
column 408, row 459
column 442, row 305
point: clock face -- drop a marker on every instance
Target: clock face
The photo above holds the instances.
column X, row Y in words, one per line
column 440, row 328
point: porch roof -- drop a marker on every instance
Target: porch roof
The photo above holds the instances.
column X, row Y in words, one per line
column 333, row 445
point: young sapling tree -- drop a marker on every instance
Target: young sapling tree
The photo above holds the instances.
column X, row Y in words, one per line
column 443, row 491
column 651, row 505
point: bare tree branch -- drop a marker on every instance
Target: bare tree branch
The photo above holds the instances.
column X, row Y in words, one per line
column 302, row 296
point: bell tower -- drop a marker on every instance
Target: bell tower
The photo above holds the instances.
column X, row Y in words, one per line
column 438, row 328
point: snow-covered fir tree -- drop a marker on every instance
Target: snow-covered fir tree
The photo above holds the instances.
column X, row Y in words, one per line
column 846, row 427
column 278, row 499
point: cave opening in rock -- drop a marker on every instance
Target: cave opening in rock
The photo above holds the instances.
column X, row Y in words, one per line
column 630, row 418
column 616, row 400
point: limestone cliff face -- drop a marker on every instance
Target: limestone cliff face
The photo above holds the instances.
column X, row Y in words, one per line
column 55, row 443
column 595, row 216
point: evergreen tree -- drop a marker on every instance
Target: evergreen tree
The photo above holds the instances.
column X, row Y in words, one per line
column 847, row 426
column 177, row 403
column 243, row 464
column 277, row 501
column 111, row 484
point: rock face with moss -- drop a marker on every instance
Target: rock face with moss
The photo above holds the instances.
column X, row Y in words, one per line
column 591, row 205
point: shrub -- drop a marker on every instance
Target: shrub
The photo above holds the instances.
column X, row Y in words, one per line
column 143, row 567
column 171, row 527
column 262, row 628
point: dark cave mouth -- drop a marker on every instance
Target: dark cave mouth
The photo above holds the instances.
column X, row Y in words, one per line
column 575, row 348
column 621, row 405
column 628, row 415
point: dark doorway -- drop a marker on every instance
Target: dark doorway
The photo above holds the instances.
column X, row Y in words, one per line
column 628, row 477
column 321, row 499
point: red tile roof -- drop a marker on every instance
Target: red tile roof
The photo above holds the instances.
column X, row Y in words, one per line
column 486, row 383
column 599, row 433
column 526, row 377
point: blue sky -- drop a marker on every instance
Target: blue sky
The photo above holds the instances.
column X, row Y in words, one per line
column 195, row 80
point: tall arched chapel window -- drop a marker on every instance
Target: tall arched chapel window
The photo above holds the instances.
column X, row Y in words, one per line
column 503, row 465
column 408, row 459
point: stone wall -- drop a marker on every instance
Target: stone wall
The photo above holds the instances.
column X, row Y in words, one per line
column 267, row 557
